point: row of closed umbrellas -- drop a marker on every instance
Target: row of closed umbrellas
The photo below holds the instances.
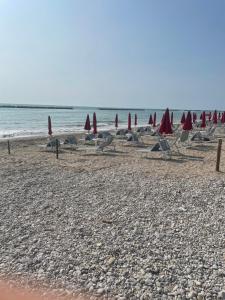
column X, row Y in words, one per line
column 166, row 124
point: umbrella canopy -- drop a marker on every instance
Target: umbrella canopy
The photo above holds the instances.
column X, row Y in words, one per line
column 135, row 119
column 116, row 121
column 150, row 121
column 203, row 124
column 188, row 122
column 183, row 118
column 154, row 120
column 129, row 122
column 49, row 126
column 215, row 117
column 94, row 123
column 171, row 119
column 165, row 126
column 87, row 125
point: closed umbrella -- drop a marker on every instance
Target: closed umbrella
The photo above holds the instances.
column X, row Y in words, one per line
column 188, row 122
column 49, row 126
column 171, row 120
column 203, row 124
column 135, row 119
column 129, row 121
column 165, row 126
column 183, row 118
column 210, row 116
column 116, row 121
column 154, row 120
column 215, row 117
column 94, row 123
column 223, row 118
column 194, row 117
column 150, row 121
column 87, row 125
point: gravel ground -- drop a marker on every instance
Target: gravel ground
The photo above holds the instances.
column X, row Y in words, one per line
column 115, row 233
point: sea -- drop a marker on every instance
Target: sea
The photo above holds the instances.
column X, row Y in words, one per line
column 24, row 120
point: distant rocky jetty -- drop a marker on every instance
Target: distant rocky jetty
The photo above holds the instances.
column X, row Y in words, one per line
column 34, row 106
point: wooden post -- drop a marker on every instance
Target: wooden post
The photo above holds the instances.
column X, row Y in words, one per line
column 57, row 149
column 218, row 155
column 8, row 147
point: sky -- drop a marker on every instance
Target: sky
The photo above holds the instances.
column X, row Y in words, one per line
column 113, row 53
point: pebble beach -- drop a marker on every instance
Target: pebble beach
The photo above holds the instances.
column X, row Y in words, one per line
column 114, row 225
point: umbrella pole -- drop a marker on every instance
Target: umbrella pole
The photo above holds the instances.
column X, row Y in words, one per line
column 8, row 144
column 218, row 155
column 57, row 149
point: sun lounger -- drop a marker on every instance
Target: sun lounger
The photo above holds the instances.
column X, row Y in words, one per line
column 103, row 134
column 182, row 140
column 206, row 135
column 134, row 139
column 162, row 146
column 70, row 143
column 51, row 145
column 107, row 142
column 121, row 133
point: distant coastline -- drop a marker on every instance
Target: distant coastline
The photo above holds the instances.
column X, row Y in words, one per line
column 111, row 108
column 35, row 106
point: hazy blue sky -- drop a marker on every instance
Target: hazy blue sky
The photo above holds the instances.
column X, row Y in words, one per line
column 136, row 53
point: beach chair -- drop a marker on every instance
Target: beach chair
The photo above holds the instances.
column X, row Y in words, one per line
column 121, row 133
column 202, row 136
column 182, row 140
column 51, row 145
column 134, row 139
column 107, row 142
column 147, row 130
column 88, row 139
column 162, row 146
column 103, row 134
column 165, row 148
column 70, row 143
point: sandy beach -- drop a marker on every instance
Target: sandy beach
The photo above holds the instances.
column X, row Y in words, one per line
column 114, row 225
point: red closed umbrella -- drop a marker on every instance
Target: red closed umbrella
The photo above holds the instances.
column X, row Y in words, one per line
column 194, row 118
column 129, row 121
column 154, row 120
column 94, row 123
column 49, row 126
column 165, row 126
column 223, row 118
column 203, row 124
column 150, row 121
column 135, row 119
column 210, row 116
column 188, row 122
column 183, row 118
column 116, row 121
column 201, row 116
column 215, row 117
column 171, row 120
column 87, row 125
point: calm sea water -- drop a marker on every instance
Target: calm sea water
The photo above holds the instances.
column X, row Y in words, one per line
column 20, row 122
